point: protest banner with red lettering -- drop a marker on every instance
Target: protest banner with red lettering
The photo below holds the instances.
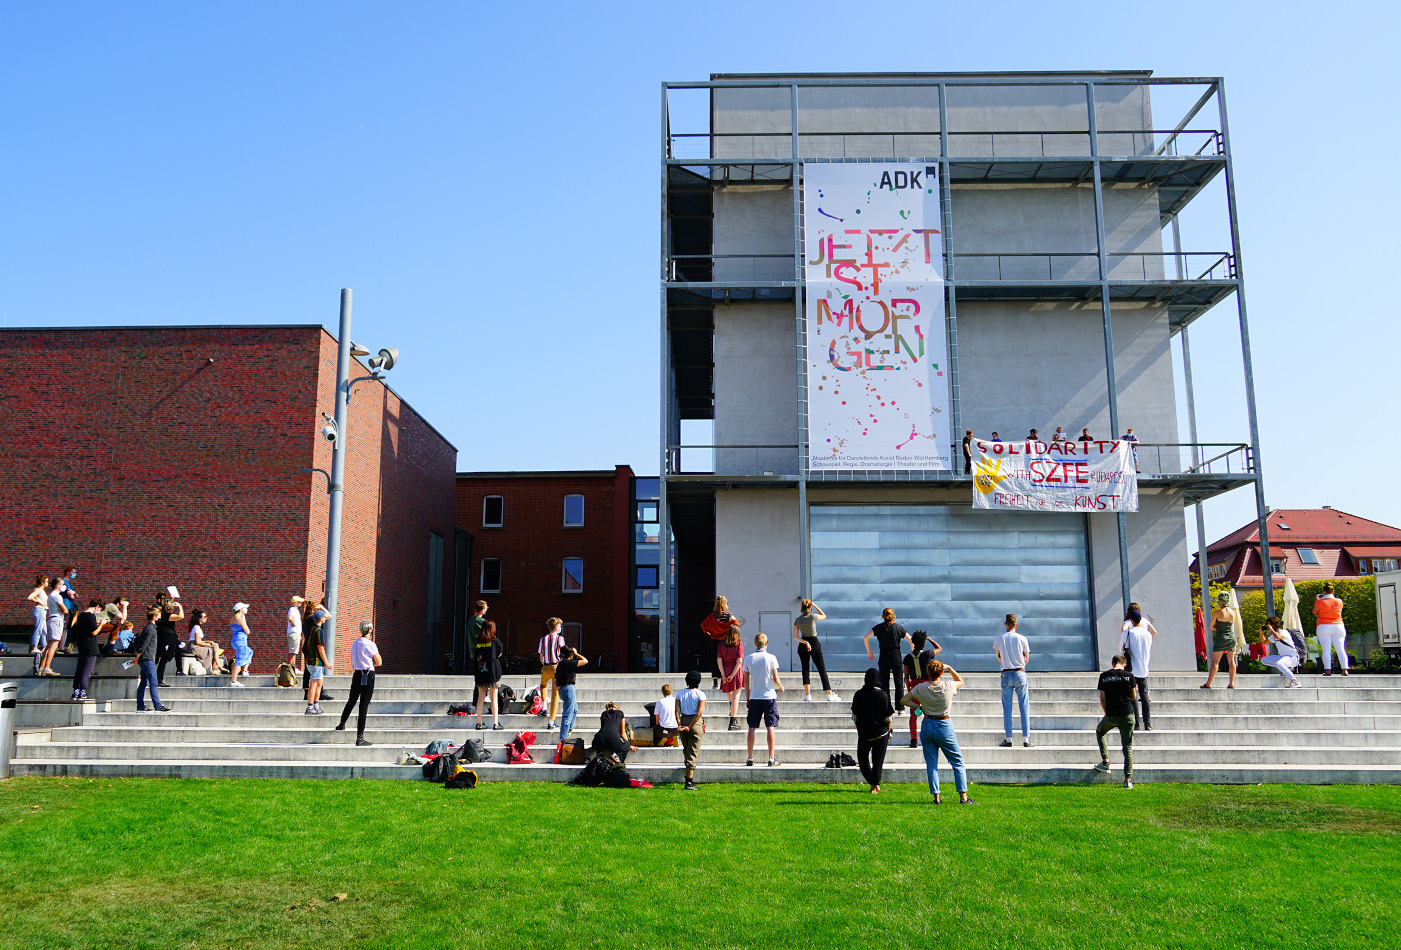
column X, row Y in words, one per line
column 1078, row 477
column 877, row 397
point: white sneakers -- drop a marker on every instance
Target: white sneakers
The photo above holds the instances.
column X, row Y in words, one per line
column 239, row 685
column 807, row 697
column 833, row 698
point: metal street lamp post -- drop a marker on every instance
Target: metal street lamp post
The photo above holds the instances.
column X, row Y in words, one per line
column 335, row 432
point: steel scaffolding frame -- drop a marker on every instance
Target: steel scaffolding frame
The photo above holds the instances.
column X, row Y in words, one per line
column 1180, row 176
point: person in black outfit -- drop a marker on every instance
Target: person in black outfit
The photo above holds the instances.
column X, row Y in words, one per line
column 488, row 659
column 144, row 646
column 1116, row 698
column 167, row 637
column 612, row 734
column 968, row 452
column 872, row 711
column 923, row 650
column 364, row 657
column 888, row 634
column 84, row 637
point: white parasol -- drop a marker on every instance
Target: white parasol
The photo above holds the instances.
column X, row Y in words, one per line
column 1237, row 628
column 1291, row 607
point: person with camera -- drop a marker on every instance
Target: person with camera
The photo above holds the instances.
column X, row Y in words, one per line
column 167, row 637
column 364, row 657
column 566, row 673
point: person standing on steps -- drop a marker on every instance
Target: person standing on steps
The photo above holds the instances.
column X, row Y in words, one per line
column 1116, row 699
column 294, row 631
column 364, row 657
column 144, row 646
column 488, row 675
column 731, row 657
column 38, row 601
column 1013, row 651
column 1136, row 644
column 690, row 707
column 167, row 636
column 548, row 651
column 566, row 672
column 314, row 646
column 935, row 699
column 888, row 635
column 314, row 621
column 716, row 625
column 84, row 637
column 810, row 649
column 1223, row 640
column 475, row 623
column 238, row 642
column 872, row 712
column 56, row 620
column 915, row 668
column 1332, row 635
column 761, row 689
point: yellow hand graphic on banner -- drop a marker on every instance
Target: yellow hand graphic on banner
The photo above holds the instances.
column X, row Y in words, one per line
column 986, row 479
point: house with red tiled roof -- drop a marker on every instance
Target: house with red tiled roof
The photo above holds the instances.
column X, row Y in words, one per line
column 1305, row 544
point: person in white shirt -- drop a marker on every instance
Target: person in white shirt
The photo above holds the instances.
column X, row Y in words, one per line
column 294, row 630
column 761, row 689
column 664, row 709
column 690, row 706
column 1286, row 656
column 364, row 657
column 1013, row 652
column 548, row 651
column 1136, row 644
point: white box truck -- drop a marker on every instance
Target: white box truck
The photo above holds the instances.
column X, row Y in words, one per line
column 1389, row 612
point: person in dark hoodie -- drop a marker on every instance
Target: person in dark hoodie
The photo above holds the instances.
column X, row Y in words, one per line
column 144, row 646
column 872, row 712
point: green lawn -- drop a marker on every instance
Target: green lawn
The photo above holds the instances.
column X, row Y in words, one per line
column 150, row 863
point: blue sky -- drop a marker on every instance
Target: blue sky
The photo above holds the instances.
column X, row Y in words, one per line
column 485, row 178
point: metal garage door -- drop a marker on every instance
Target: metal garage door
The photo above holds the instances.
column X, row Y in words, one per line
column 955, row 573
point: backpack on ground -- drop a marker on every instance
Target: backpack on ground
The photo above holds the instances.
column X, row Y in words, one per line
column 442, row 768
column 595, row 771
column 462, row 709
column 518, row 749
column 286, row 675
column 570, row 752
column 505, row 695
column 465, row 778
column 438, row 747
column 473, row 750
column 618, row 777
column 839, row 760
column 534, row 703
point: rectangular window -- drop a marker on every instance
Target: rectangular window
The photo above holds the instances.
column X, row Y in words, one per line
column 1276, row 565
column 1363, row 566
column 647, row 599
column 1307, row 556
column 573, row 575
column 647, row 511
column 1380, row 564
column 573, row 634
column 1214, row 572
column 573, row 511
column 646, row 577
column 493, row 511
column 491, row 575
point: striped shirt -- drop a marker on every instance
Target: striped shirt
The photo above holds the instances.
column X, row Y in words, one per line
column 550, row 645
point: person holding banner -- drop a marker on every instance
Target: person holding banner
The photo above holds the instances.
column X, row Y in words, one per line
column 1058, row 435
column 1223, row 640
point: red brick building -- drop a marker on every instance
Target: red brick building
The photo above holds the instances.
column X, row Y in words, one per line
column 182, row 455
column 550, row 544
column 1305, row 544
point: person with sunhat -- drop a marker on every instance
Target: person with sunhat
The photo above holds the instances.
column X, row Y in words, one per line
column 294, row 630
column 238, row 642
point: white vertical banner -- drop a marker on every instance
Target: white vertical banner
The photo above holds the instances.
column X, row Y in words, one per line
column 876, row 346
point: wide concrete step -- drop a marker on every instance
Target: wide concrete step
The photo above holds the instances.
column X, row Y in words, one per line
column 1040, row 754
column 717, row 736
column 1011, row 772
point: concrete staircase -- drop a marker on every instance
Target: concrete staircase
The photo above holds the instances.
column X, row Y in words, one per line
column 1335, row 730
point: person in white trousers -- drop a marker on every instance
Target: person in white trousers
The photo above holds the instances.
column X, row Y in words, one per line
column 1332, row 635
column 1286, row 656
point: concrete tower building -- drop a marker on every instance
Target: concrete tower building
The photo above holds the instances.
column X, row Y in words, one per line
column 1063, row 292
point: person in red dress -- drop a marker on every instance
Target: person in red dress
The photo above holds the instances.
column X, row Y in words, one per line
column 730, row 655
column 717, row 626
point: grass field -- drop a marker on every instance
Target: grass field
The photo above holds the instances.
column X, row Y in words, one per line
column 151, row 863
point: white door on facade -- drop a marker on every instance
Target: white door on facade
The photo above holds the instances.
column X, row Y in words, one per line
column 777, row 625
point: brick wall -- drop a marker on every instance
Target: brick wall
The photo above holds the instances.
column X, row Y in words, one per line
column 127, row 453
column 532, row 544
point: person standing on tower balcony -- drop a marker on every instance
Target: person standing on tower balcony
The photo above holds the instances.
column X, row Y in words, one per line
column 968, row 452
